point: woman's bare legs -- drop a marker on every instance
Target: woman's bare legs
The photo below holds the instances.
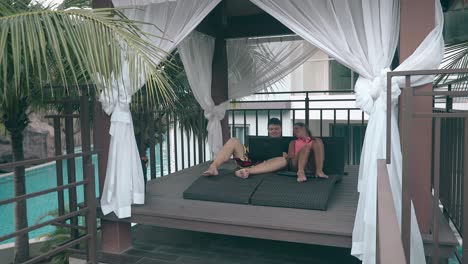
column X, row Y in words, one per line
column 233, row 147
column 270, row 165
column 303, row 157
column 319, row 153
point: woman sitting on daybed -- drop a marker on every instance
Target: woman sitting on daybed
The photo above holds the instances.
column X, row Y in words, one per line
column 299, row 153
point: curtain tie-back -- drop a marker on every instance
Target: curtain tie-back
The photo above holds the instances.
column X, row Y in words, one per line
column 214, row 115
column 117, row 105
column 370, row 91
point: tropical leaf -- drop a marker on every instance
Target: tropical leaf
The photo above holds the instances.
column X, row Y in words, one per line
column 185, row 108
column 455, row 57
column 65, row 47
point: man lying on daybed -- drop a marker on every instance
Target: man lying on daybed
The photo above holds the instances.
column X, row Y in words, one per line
column 296, row 159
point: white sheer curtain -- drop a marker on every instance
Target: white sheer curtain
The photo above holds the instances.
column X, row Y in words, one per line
column 196, row 52
column 169, row 21
column 363, row 34
column 257, row 64
column 252, row 65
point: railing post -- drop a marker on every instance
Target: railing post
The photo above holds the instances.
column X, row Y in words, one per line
column 70, row 148
column 200, row 140
column 406, row 173
column 168, row 143
column 449, row 100
column 307, row 109
column 59, row 164
column 436, row 184
column 465, row 193
column 389, row 119
column 389, row 247
column 152, row 143
column 88, row 174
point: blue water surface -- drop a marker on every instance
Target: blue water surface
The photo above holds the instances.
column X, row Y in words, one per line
column 38, row 179
column 45, row 177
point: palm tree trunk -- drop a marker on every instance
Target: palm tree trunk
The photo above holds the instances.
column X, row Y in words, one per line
column 21, row 220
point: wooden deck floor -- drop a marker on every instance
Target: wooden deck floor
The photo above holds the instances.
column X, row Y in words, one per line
column 165, row 207
column 158, row 245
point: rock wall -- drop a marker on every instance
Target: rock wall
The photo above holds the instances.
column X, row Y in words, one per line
column 38, row 139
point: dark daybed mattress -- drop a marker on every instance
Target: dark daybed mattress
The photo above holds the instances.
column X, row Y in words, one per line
column 272, row 189
column 266, row 189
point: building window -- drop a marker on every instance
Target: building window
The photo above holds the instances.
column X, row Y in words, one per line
column 341, row 77
column 240, row 132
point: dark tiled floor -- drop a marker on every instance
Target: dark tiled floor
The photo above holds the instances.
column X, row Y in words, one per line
column 170, row 246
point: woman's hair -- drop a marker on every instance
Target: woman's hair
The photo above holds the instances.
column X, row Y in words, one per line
column 303, row 125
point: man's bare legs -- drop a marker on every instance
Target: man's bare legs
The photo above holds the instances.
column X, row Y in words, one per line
column 319, row 153
column 233, row 147
column 270, row 165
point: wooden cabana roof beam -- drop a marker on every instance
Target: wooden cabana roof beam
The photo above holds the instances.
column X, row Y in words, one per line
column 241, row 19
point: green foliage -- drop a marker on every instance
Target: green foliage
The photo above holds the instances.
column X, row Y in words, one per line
column 59, row 236
column 42, row 48
column 455, row 57
column 184, row 108
column 68, row 47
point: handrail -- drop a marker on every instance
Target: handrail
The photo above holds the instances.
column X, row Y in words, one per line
column 303, row 92
column 389, row 244
column 46, row 223
column 46, row 191
column 60, row 249
column 407, row 118
column 45, row 160
column 292, row 101
column 408, row 75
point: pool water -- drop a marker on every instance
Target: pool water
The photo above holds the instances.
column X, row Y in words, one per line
column 42, row 178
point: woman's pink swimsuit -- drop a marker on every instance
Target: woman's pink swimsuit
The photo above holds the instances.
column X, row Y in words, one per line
column 300, row 143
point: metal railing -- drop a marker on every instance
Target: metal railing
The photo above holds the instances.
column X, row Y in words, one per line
column 452, row 132
column 441, row 125
column 180, row 149
column 325, row 119
column 88, row 210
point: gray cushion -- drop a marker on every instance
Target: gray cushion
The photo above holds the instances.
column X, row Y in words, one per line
column 225, row 187
column 280, row 191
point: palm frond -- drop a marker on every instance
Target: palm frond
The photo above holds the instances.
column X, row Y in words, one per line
column 455, row 57
column 185, row 108
column 39, row 47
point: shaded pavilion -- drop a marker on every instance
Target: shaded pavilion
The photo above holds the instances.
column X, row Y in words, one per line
column 165, row 207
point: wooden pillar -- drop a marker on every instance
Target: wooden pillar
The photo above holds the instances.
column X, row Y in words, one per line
column 417, row 19
column 115, row 236
column 217, row 27
column 219, row 83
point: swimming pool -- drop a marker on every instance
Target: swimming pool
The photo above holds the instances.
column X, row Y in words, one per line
column 37, row 179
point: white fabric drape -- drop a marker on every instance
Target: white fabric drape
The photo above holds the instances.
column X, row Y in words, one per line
column 362, row 35
column 255, row 65
column 124, row 183
column 196, row 52
column 252, row 65
column 169, row 22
